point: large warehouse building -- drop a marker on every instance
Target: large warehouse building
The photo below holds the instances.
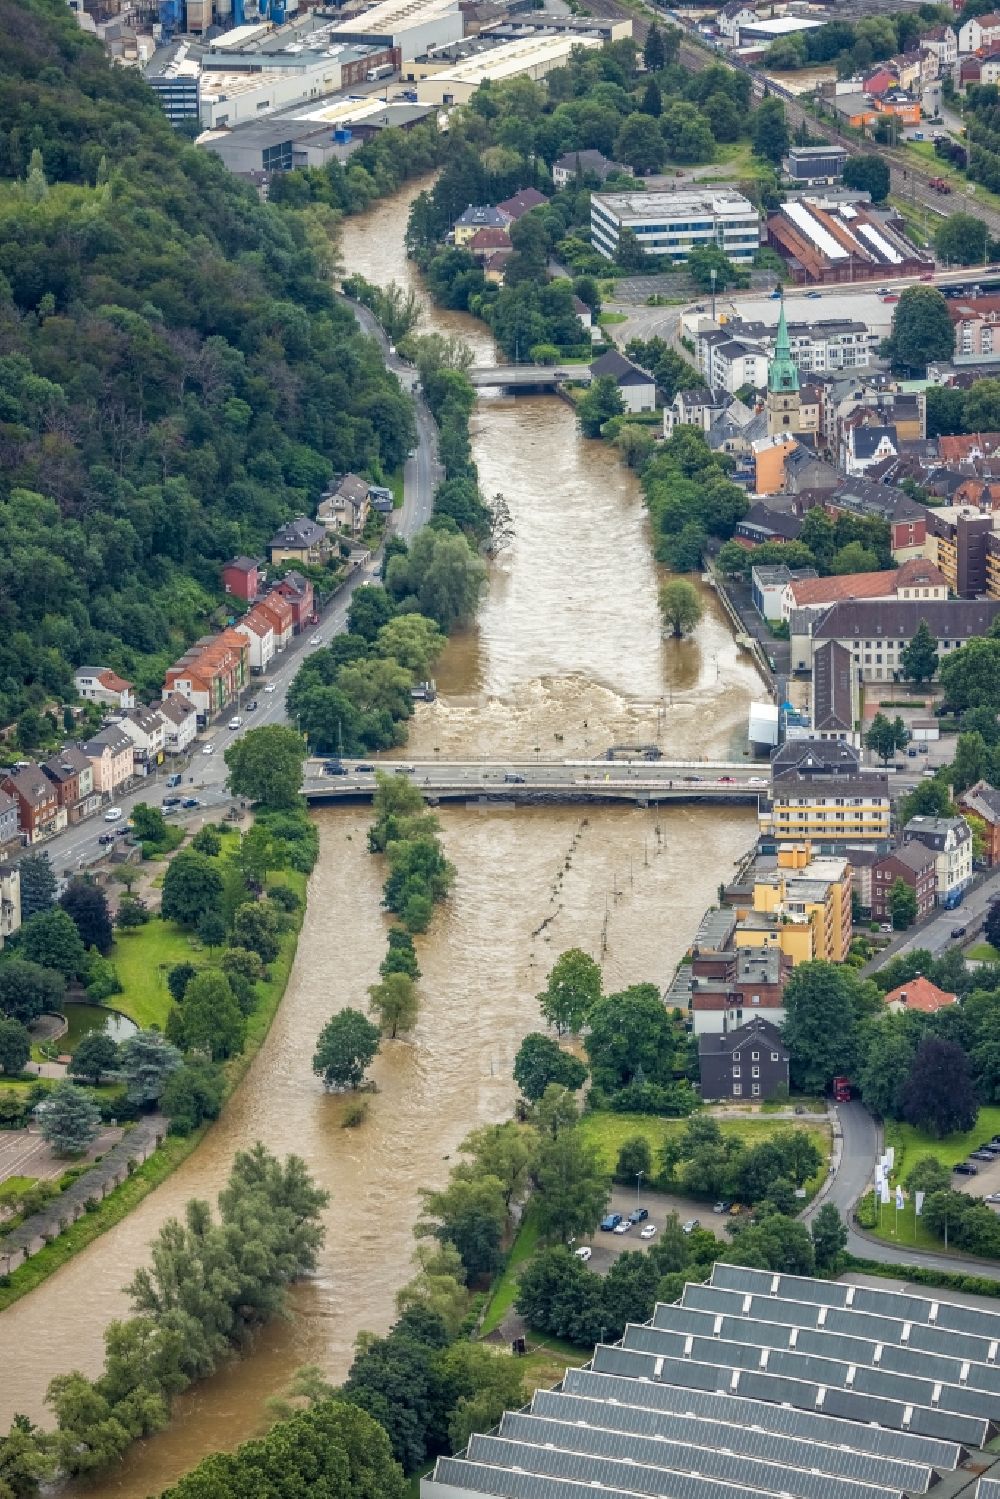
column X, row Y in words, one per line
column 760, row 1384
column 530, row 57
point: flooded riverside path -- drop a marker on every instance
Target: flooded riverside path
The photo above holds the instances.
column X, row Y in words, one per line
column 566, row 658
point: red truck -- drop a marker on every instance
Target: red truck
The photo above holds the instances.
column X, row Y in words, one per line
column 841, row 1090
column 940, row 185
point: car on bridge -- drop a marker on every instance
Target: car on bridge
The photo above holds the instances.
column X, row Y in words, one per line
column 511, row 778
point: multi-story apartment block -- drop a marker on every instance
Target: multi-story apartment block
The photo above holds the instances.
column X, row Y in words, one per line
column 835, row 809
column 803, row 907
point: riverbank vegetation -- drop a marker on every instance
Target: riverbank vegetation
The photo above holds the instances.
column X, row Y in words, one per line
column 185, row 1322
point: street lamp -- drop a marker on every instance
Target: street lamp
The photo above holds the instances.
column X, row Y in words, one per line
column 638, row 1185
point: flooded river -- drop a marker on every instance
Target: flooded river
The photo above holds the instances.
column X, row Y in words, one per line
column 566, row 657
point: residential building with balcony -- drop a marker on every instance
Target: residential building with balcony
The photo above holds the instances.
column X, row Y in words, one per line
column 802, row 907
column 147, row 730
column 835, row 809
column 258, row 627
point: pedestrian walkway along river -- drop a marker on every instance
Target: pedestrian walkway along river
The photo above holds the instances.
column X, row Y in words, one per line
column 565, row 657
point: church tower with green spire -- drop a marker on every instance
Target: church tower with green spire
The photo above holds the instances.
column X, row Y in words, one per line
column 783, row 398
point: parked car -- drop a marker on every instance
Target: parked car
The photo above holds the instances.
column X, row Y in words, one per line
column 610, row 1223
column 812, row 296
column 992, row 1197
column 106, row 838
column 315, row 640
column 208, row 749
column 965, row 1168
column 624, row 1227
column 175, row 780
column 638, row 1215
column 958, row 931
column 584, row 1253
column 886, row 926
column 172, row 801
column 191, row 801
column 270, row 687
column 647, row 1231
column 236, row 722
column 113, row 814
column 251, row 706
column 980, row 1155
column 721, row 1207
column 691, row 1225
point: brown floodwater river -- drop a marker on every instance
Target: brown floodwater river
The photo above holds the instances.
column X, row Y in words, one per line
column 566, row 657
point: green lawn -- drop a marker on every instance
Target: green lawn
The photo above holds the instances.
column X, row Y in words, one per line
column 143, row 958
column 609, row 1131
column 606, row 319
column 911, row 1143
column 984, row 952
column 506, row 1287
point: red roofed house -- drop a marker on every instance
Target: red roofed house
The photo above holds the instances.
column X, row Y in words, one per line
column 212, row 672
column 523, row 202
column 38, row 809
column 241, row 578
column 879, row 81
column 279, row 611
column 485, row 242
column 99, row 684
column 919, row 994
column 917, row 579
column 960, row 449
column 256, row 625
column 298, row 591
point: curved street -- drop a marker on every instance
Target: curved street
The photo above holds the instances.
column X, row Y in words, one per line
column 861, row 1141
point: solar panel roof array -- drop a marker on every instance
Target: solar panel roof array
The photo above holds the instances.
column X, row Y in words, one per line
column 756, row 1384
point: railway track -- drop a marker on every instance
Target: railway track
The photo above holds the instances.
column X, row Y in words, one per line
column 907, row 181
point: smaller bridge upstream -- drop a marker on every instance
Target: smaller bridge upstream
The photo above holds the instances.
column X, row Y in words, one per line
column 641, row 782
column 528, row 376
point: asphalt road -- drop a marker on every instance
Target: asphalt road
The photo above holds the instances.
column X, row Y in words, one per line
column 205, row 775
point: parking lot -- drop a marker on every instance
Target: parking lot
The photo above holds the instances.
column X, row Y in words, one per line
column 23, row 1152
column 607, row 1247
column 984, row 1183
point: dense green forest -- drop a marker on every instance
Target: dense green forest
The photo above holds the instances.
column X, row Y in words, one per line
column 176, row 376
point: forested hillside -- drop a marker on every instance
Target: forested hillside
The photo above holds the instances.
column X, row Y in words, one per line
column 176, row 377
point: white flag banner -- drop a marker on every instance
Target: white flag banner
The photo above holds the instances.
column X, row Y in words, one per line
column 890, row 1155
column 918, row 1203
column 885, row 1163
column 900, row 1199
column 885, row 1193
column 878, row 1174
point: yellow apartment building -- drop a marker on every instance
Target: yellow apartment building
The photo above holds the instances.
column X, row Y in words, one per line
column 802, row 907
column 826, row 809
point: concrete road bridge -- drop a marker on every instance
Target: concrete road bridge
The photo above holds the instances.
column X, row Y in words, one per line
column 641, row 782
column 528, row 376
